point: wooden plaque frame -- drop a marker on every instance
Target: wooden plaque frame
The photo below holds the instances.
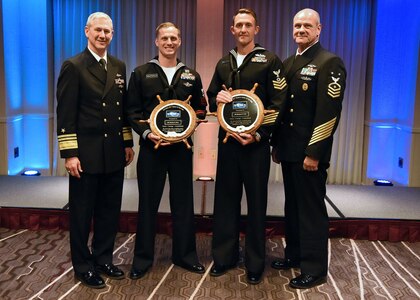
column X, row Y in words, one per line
column 251, row 97
column 173, row 137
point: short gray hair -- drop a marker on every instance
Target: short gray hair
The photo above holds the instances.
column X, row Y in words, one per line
column 97, row 15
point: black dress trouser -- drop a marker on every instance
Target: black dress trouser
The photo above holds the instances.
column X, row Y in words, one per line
column 97, row 198
column 306, row 217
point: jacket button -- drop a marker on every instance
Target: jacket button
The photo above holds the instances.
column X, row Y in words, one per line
column 118, row 103
column 119, row 118
column 291, row 124
column 105, row 135
column 104, row 104
column 105, row 120
column 292, row 96
column 291, row 110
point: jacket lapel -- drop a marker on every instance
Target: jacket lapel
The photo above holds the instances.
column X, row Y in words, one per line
column 110, row 75
column 94, row 67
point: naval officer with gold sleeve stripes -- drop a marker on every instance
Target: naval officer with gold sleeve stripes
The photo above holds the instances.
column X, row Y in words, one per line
column 95, row 140
column 302, row 142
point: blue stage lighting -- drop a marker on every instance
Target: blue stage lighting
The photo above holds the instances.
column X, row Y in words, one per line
column 31, row 173
column 383, row 182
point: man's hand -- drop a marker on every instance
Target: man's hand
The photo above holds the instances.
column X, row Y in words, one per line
column 129, row 155
column 223, row 97
column 310, row 164
column 244, row 138
column 73, row 166
column 156, row 139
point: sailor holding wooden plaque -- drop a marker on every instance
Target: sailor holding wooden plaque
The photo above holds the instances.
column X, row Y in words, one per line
column 164, row 99
column 249, row 74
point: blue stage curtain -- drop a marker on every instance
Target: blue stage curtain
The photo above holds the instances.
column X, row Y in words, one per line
column 134, row 33
column 346, row 28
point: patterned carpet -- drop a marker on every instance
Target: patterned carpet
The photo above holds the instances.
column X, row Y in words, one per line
column 36, row 265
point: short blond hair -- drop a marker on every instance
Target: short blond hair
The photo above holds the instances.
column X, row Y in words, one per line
column 167, row 25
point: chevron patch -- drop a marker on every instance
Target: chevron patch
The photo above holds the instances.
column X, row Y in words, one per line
column 279, row 84
column 334, row 88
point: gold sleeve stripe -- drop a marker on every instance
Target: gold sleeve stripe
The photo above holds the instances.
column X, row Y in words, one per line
column 279, row 85
column 127, row 134
column 67, row 136
column 67, row 141
column 270, row 119
column 322, row 131
column 66, row 145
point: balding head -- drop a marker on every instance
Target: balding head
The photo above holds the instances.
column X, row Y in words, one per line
column 308, row 12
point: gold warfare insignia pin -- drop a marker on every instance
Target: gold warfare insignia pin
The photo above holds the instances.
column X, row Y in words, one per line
column 305, row 86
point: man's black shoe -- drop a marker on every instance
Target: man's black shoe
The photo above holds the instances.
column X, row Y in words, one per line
column 91, row 279
column 196, row 268
column 284, row 264
column 137, row 273
column 109, row 270
column 253, row 278
column 218, row 270
column 305, row 281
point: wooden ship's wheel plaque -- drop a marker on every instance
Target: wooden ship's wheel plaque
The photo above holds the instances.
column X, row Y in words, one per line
column 173, row 121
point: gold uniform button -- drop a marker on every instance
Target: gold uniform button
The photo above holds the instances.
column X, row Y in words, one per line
column 119, row 118
column 119, row 133
column 118, row 103
column 292, row 96
column 291, row 110
column 105, row 135
column 105, row 120
column 104, row 104
column 291, row 124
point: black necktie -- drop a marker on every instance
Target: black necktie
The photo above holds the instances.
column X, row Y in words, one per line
column 102, row 62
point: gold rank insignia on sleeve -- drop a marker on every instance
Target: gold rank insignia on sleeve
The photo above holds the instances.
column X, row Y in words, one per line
column 322, row 132
column 67, row 141
column 334, row 88
column 127, row 134
column 279, row 84
column 270, row 119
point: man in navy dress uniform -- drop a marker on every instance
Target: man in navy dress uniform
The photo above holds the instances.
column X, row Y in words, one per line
column 302, row 142
column 96, row 142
